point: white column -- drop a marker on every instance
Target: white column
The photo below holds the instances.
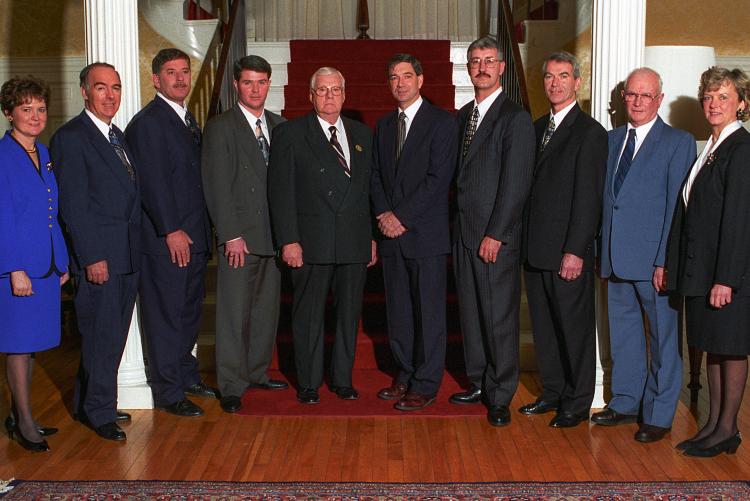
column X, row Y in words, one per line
column 619, row 38
column 112, row 37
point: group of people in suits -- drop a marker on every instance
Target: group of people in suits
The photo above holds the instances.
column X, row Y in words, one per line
column 324, row 197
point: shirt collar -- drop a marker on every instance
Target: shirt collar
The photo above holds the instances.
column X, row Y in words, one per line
column 642, row 130
column 487, row 102
column 251, row 118
column 180, row 110
column 412, row 109
column 103, row 127
column 324, row 124
column 560, row 115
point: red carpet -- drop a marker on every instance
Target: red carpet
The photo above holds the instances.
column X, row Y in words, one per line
column 363, row 64
column 368, row 382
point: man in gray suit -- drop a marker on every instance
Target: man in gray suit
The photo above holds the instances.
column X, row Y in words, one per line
column 236, row 147
column 493, row 179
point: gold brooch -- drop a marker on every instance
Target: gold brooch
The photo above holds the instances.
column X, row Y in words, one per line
column 357, row 147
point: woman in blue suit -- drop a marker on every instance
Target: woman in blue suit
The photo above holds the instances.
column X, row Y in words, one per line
column 33, row 258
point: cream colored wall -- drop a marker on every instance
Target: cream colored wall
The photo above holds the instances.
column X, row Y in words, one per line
column 721, row 24
column 41, row 28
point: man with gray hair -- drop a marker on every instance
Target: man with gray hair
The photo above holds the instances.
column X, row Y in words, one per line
column 493, row 177
column 319, row 198
column 647, row 162
column 561, row 221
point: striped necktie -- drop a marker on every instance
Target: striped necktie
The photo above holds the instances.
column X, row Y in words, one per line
column 471, row 128
column 339, row 151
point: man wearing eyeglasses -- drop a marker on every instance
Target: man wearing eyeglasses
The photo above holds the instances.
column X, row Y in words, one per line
column 647, row 162
column 415, row 151
column 494, row 174
column 319, row 198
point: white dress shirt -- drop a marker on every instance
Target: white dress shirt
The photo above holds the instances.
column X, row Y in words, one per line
column 340, row 135
column 410, row 112
column 485, row 104
column 707, row 151
column 180, row 110
column 252, row 120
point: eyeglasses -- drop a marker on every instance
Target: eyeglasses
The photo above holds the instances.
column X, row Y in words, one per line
column 323, row 91
column 632, row 96
column 489, row 62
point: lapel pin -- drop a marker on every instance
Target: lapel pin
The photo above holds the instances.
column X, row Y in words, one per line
column 49, row 166
column 710, row 159
column 357, row 147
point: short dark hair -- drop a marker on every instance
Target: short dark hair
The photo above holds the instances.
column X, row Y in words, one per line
column 485, row 43
column 17, row 91
column 563, row 57
column 405, row 58
column 164, row 56
column 252, row 63
column 83, row 76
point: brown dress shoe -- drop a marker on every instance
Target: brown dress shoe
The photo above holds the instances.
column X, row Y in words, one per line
column 414, row 401
column 394, row 392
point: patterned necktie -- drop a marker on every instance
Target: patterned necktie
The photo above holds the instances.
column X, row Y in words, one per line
column 471, row 128
column 262, row 143
column 625, row 160
column 117, row 145
column 548, row 133
column 339, row 151
column 400, row 135
column 195, row 129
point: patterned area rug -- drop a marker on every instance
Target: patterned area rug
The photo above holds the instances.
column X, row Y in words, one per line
column 288, row 491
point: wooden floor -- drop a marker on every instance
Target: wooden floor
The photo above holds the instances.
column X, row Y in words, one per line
column 220, row 446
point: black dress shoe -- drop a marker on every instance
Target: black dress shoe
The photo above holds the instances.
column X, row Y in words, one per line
column 10, row 424
column 271, row 384
column 345, row 392
column 122, row 416
column 471, row 396
column 685, row 444
column 610, row 417
column 15, row 434
column 201, row 390
column 650, row 433
column 183, row 408
column 498, row 415
column 729, row 446
column 538, row 407
column 308, row 396
column 110, row 431
column 567, row 420
column 230, row 403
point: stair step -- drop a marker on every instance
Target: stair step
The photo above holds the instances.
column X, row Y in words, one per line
column 367, row 50
column 369, row 95
column 367, row 71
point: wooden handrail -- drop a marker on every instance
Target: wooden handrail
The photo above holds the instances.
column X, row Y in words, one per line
column 514, row 79
column 221, row 68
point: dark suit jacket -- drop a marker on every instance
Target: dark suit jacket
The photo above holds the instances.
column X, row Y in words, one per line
column 564, row 208
column 312, row 201
column 635, row 223
column 710, row 239
column 494, row 178
column 170, row 175
column 30, row 235
column 417, row 189
column 99, row 203
column 235, row 180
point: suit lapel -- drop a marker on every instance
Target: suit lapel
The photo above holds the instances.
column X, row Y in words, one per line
column 324, row 153
column 618, row 137
column 642, row 156
column 417, row 132
column 177, row 123
column 559, row 138
column 246, row 136
column 486, row 127
column 107, row 152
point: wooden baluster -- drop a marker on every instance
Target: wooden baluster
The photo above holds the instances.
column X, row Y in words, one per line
column 363, row 20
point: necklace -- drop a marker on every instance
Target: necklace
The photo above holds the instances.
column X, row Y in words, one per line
column 32, row 150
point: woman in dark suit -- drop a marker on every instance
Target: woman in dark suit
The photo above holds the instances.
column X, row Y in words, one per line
column 33, row 258
column 709, row 256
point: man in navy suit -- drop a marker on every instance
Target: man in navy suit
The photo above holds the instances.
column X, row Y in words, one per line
column 166, row 142
column 100, row 208
column 414, row 152
column 647, row 162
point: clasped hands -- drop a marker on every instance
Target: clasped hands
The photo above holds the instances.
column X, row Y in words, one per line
column 389, row 225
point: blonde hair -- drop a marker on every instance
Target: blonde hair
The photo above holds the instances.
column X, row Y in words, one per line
column 716, row 76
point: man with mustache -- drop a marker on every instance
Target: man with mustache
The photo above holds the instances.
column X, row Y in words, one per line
column 493, row 177
column 166, row 142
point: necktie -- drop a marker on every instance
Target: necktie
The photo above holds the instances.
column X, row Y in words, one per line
column 262, row 143
column 192, row 124
column 400, row 134
column 625, row 160
column 471, row 128
column 117, row 145
column 548, row 133
column 339, row 151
